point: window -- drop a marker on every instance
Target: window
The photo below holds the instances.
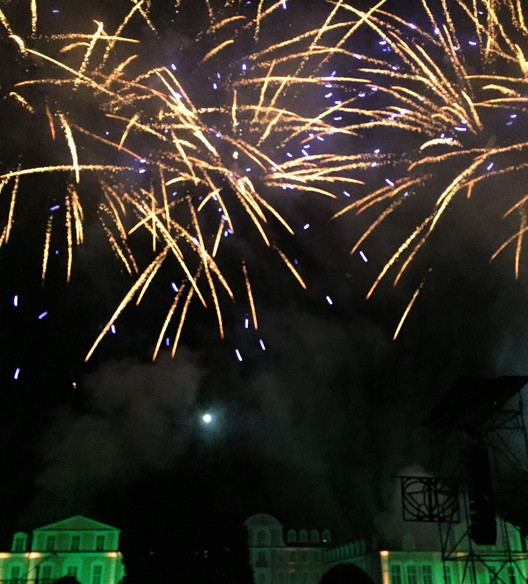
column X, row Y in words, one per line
column 316, row 556
column 292, row 536
column 45, row 574
column 427, row 574
column 327, row 538
column 512, row 576
column 75, row 544
column 303, row 536
column 50, row 543
column 19, row 543
column 314, row 536
column 261, row 537
column 293, row 556
column 276, row 537
column 72, row 571
column 412, row 577
column 304, row 556
column 14, row 575
column 447, row 574
column 99, row 543
column 395, row 574
column 97, row 574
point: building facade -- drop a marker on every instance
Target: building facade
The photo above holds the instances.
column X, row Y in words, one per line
column 306, row 555
column 77, row 547
column 298, row 560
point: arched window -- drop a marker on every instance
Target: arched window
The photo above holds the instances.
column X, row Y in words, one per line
column 15, row 574
column 261, row 537
column 314, row 536
column 71, row 570
column 45, row 574
column 327, row 537
column 19, row 542
column 292, row 536
column 97, row 574
column 303, row 536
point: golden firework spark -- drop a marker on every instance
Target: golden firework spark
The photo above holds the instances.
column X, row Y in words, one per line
column 162, row 131
column 441, row 96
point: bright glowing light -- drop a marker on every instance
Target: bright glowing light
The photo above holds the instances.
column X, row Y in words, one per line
column 200, row 142
column 207, row 418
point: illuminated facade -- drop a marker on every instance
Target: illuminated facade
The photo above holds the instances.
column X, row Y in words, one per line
column 298, row 560
column 78, row 547
column 303, row 560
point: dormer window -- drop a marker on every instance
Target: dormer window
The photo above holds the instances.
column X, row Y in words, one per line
column 19, row 542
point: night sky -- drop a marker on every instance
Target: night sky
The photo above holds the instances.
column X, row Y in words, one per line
column 313, row 428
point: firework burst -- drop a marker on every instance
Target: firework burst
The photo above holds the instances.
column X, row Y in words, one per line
column 185, row 159
column 451, row 95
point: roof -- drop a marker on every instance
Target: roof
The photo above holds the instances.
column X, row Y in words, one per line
column 262, row 519
column 472, row 401
column 77, row 523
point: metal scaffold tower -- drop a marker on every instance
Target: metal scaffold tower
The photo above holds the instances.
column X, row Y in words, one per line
column 478, row 495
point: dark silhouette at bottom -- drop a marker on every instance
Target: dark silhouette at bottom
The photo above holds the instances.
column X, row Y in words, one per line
column 346, row 574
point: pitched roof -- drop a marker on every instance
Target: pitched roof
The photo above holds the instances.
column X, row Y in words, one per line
column 77, row 523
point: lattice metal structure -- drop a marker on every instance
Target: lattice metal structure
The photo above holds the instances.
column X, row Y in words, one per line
column 430, row 499
column 481, row 504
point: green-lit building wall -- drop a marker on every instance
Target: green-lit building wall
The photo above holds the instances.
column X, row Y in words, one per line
column 277, row 557
column 78, row 546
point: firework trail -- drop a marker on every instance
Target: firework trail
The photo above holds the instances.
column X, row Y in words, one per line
column 449, row 96
column 181, row 166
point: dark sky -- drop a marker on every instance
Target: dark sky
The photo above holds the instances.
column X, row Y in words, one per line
column 314, row 428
